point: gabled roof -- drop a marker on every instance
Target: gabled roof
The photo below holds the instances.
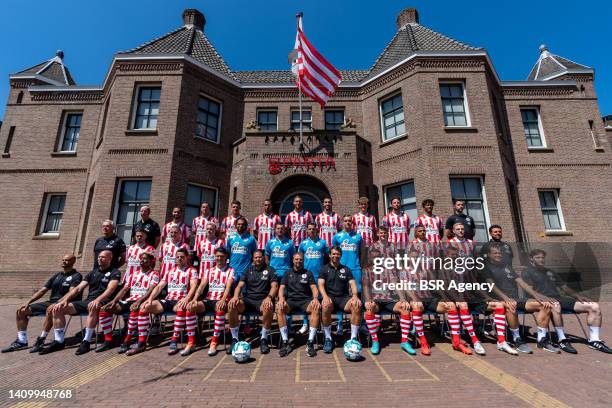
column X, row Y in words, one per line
column 549, row 66
column 52, row 71
column 287, row 77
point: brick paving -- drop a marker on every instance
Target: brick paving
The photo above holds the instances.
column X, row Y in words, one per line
column 390, row 379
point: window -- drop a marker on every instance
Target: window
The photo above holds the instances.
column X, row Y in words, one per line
column 147, row 107
column 131, row 195
column 311, row 203
column 306, row 119
column 470, row 189
column 533, row 127
column 405, row 192
column 196, row 195
column 70, row 132
column 334, row 119
column 392, row 117
column 267, row 120
column 453, row 104
column 52, row 214
column 551, row 210
column 209, row 119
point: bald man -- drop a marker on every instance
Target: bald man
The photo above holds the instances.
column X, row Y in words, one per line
column 59, row 284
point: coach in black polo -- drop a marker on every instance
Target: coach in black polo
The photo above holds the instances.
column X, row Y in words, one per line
column 459, row 216
column 149, row 225
column 110, row 242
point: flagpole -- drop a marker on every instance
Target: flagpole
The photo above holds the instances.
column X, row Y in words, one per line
column 299, row 83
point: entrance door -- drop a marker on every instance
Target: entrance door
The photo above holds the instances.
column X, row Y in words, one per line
column 311, row 189
column 311, row 203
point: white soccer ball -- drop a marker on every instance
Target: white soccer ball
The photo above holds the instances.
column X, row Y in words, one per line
column 352, row 350
column 241, row 352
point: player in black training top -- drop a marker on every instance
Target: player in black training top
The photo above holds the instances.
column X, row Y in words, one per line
column 103, row 283
column 255, row 293
column 302, row 297
column 59, row 284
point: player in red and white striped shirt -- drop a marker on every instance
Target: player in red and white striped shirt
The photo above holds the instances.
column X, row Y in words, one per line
column 133, row 255
column 219, row 281
column 177, row 219
column 329, row 222
column 433, row 224
column 398, row 223
column 227, row 228
column 263, row 227
column 382, row 245
column 167, row 255
column 422, row 246
column 207, row 249
column 182, row 283
column 297, row 221
column 464, row 246
column 198, row 227
column 365, row 223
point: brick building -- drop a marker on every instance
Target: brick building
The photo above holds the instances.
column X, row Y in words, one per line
column 172, row 124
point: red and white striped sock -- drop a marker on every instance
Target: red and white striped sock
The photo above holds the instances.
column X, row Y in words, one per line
column 455, row 326
column 219, row 324
column 144, row 321
column 417, row 319
column 372, row 324
column 500, row 324
column 468, row 324
column 405, row 323
column 179, row 324
column 132, row 327
column 106, row 324
column 192, row 319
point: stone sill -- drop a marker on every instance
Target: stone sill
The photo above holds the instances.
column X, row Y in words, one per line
column 460, row 129
column 141, row 132
column 63, row 154
column 6, row 155
column 46, row 236
column 395, row 139
column 558, row 233
column 540, row 150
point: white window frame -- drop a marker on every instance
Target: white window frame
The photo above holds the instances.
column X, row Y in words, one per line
column 45, row 214
column 466, row 106
column 485, row 206
column 388, row 204
column 260, row 110
column 381, row 118
column 216, row 189
column 556, row 192
column 117, row 193
column 135, row 105
column 331, row 109
column 306, row 124
column 219, row 122
column 58, row 148
column 540, row 127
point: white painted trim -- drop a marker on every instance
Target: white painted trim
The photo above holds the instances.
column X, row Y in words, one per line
column 220, row 102
column 556, row 192
column 216, row 190
column 264, row 109
column 117, row 192
column 38, row 77
column 466, row 107
column 66, row 113
column 380, row 115
column 485, row 207
column 540, row 127
column 45, row 215
column 538, row 83
column 134, row 109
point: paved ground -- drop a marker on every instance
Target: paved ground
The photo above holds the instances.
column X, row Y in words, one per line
column 390, row 379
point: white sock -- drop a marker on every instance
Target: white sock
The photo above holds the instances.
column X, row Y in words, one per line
column 312, row 334
column 560, row 333
column 354, row 331
column 59, row 335
column 89, row 334
column 305, row 323
column 234, row 331
column 265, row 333
column 44, row 334
column 22, row 336
column 542, row 332
column 516, row 334
column 284, row 333
column 327, row 331
column 593, row 333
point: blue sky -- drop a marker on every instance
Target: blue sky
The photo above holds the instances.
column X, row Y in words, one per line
column 257, row 34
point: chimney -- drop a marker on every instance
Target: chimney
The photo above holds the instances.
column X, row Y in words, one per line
column 194, row 18
column 407, row 15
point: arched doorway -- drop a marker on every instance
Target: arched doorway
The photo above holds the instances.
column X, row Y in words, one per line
column 311, row 189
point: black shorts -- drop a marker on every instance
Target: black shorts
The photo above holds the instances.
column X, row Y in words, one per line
column 300, row 306
column 385, row 305
column 253, row 305
column 520, row 305
column 567, row 303
column 168, row 305
column 210, row 305
column 430, row 305
column 40, row 308
column 477, row 306
column 339, row 303
column 125, row 306
column 81, row 306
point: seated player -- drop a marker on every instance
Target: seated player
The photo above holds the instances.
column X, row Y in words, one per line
column 548, row 287
column 169, row 249
column 102, row 284
column 182, row 282
column 339, row 290
column 301, row 297
column 255, row 293
column 219, row 281
column 140, row 286
column 59, row 284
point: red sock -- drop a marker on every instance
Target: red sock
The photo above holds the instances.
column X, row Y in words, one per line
column 144, row 321
column 132, row 325
column 405, row 326
column 455, row 326
column 417, row 319
column 219, row 324
column 468, row 324
column 191, row 321
column 372, row 324
column 106, row 324
column 500, row 324
column 179, row 324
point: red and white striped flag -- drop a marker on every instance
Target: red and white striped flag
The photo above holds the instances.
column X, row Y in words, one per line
column 316, row 77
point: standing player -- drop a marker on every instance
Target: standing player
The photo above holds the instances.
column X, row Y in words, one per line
column 255, row 293
column 425, row 248
column 365, row 223
column 167, row 255
column 177, row 220
column 279, row 251
column 459, row 216
column 463, row 245
column 240, row 248
column 301, row 297
column 134, row 251
column 398, row 224
column 382, row 245
column 219, row 281
column 59, row 284
column 109, row 241
column 198, row 227
column 353, row 250
column 263, row 228
column 329, row 222
column 339, row 290
column 227, row 228
column 208, row 247
column 432, row 223
column 182, row 283
column 150, row 226
column 296, row 221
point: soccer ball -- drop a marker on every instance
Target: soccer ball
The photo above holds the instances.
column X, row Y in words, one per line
column 352, row 350
column 241, row 352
